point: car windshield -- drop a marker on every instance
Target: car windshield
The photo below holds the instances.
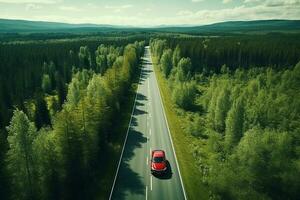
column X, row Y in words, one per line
column 158, row 159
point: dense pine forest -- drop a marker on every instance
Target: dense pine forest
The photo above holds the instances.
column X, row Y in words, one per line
column 237, row 99
column 60, row 102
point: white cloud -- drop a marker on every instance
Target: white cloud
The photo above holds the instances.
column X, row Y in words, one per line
column 131, row 14
column 118, row 9
column 251, row 1
column 70, row 8
column 32, row 6
column 184, row 12
column 227, row 1
column 30, row 1
column 274, row 2
column 245, row 13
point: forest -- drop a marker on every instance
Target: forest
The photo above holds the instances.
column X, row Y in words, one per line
column 238, row 101
column 60, row 102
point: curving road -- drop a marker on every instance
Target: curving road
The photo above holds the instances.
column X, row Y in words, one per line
column 148, row 130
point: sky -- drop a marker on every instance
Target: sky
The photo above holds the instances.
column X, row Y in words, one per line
column 149, row 12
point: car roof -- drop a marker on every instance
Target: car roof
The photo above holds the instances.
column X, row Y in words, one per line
column 158, row 153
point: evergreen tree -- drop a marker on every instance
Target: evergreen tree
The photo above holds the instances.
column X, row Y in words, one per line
column 166, row 62
column 234, row 123
column 176, row 56
column 46, row 84
column 73, row 95
column 85, row 57
column 222, row 107
column 20, row 161
column 48, row 165
column 41, row 114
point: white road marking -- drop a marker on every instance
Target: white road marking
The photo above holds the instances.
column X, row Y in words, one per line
column 151, row 182
column 147, row 160
column 146, row 192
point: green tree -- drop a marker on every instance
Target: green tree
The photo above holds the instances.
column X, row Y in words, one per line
column 41, row 114
column 46, row 83
column 184, row 69
column 222, row 107
column 48, row 165
column 184, row 95
column 20, row 161
column 73, row 95
column 166, row 62
column 176, row 56
column 234, row 123
column 85, row 57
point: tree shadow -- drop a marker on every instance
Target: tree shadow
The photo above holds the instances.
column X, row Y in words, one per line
column 141, row 97
column 139, row 112
column 128, row 181
column 167, row 175
column 137, row 103
column 145, row 74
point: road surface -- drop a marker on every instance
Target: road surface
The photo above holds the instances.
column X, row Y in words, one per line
column 147, row 131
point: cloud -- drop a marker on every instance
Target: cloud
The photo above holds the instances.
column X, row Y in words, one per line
column 131, row 14
column 227, row 1
column 118, row 9
column 258, row 12
column 70, row 8
column 184, row 13
column 32, row 6
column 274, row 3
column 251, row 1
column 30, row 1
column 281, row 3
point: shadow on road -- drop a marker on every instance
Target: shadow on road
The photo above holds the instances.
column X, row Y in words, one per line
column 140, row 97
column 128, row 181
column 167, row 175
column 145, row 74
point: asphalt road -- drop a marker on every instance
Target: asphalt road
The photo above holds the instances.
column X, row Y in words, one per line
column 148, row 130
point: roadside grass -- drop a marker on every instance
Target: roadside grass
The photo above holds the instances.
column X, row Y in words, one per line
column 115, row 147
column 191, row 176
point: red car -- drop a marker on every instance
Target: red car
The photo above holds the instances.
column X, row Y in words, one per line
column 158, row 162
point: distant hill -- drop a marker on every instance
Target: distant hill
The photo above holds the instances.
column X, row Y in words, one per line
column 241, row 27
column 23, row 26
column 264, row 26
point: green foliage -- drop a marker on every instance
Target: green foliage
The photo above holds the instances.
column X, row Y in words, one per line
column 234, row 123
column 184, row 95
column 41, row 112
column 21, row 162
column 157, row 47
column 46, row 83
column 176, row 56
column 85, row 57
column 63, row 161
column 48, row 165
column 184, row 69
column 222, row 107
column 166, row 62
column 245, row 125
